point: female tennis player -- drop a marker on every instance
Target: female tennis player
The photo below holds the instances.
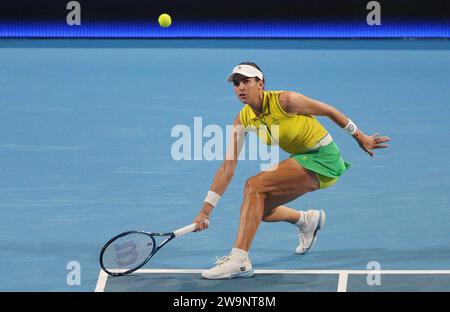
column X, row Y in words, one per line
column 315, row 163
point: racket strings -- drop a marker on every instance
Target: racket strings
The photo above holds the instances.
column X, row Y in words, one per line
column 127, row 252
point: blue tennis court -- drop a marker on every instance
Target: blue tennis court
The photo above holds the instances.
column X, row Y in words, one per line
column 86, row 153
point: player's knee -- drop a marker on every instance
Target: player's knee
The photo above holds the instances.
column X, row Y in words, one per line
column 253, row 186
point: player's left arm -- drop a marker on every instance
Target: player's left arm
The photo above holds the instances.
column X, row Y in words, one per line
column 296, row 103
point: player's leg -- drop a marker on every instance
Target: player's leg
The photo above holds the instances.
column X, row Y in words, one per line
column 282, row 213
column 268, row 190
column 263, row 192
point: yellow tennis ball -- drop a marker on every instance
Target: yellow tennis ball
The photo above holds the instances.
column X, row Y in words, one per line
column 164, row 20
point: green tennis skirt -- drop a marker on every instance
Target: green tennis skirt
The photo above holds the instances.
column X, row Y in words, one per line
column 326, row 162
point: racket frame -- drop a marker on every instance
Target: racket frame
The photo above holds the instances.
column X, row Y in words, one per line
column 170, row 235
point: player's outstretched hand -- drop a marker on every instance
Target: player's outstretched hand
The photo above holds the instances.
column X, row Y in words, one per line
column 370, row 142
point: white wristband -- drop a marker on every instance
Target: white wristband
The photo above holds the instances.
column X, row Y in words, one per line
column 351, row 128
column 212, row 198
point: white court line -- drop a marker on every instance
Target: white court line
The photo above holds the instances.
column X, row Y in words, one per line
column 149, row 271
column 343, row 274
column 342, row 284
column 101, row 282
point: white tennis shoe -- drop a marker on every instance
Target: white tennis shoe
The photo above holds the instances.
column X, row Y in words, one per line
column 230, row 267
column 307, row 231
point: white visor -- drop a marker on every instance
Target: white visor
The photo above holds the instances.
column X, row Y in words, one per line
column 247, row 71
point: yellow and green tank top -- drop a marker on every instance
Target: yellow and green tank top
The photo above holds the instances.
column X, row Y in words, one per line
column 296, row 133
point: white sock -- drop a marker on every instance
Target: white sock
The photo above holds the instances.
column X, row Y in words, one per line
column 301, row 220
column 238, row 253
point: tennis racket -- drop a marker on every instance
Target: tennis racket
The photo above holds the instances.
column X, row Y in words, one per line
column 129, row 251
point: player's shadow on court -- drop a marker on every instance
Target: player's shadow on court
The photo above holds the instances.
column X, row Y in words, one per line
column 176, row 282
column 426, row 258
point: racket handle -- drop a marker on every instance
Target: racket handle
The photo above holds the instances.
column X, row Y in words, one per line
column 185, row 230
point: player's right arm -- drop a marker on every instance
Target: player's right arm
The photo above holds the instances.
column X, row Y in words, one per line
column 224, row 173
